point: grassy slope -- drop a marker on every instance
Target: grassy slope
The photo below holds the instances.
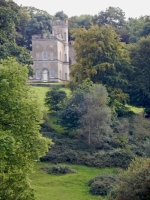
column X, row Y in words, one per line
column 41, row 92
column 65, row 187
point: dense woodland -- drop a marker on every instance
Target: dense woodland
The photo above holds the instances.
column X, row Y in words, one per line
column 97, row 126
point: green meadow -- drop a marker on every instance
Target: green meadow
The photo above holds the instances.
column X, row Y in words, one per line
column 62, row 187
column 69, row 186
column 65, row 187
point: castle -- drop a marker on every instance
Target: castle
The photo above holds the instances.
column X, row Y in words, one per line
column 50, row 54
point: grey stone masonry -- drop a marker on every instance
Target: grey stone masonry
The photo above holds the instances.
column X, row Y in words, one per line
column 50, row 54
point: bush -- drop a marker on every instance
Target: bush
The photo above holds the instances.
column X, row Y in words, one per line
column 134, row 183
column 54, row 98
column 77, row 152
column 102, row 184
column 59, row 169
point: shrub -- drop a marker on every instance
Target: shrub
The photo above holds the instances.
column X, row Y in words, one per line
column 59, row 169
column 78, row 152
column 102, row 184
column 54, row 98
column 134, row 183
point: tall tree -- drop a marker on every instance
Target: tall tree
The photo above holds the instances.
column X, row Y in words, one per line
column 75, row 106
column 60, row 15
column 100, row 56
column 135, row 28
column 20, row 140
column 79, row 21
column 112, row 16
column 139, row 89
column 39, row 23
column 95, row 123
column 9, row 21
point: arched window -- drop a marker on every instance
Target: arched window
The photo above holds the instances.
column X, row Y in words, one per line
column 38, row 74
column 52, row 73
column 51, row 56
column 44, row 55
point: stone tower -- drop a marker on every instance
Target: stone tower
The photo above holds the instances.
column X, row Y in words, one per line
column 51, row 55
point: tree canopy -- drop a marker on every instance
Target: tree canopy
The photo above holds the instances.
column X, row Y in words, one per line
column 10, row 21
column 100, row 56
column 112, row 16
column 139, row 88
column 21, row 143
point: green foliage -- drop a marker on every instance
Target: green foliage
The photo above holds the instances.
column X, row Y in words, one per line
column 78, row 22
column 79, row 152
column 135, row 28
column 20, row 141
column 39, row 23
column 95, row 122
column 59, row 169
column 112, row 16
column 75, row 106
column 54, row 99
column 60, row 16
column 139, row 79
column 102, row 184
column 134, row 183
column 11, row 22
column 100, row 56
column 139, row 134
column 118, row 101
column 146, row 29
column 69, row 187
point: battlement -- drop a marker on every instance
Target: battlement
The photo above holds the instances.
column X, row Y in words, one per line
column 47, row 36
column 60, row 23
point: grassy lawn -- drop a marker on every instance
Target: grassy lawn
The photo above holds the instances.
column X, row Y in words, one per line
column 65, row 187
column 41, row 92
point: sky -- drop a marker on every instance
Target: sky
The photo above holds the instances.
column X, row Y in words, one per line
column 132, row 8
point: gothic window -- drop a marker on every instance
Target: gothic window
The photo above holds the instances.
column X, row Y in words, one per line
column 38, row 74
column 44, row 55
column 51, row 73
column 51, row 56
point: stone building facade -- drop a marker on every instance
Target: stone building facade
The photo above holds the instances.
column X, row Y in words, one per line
column 50, row 54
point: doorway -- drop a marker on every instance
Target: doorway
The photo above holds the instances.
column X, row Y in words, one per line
column 45, row 75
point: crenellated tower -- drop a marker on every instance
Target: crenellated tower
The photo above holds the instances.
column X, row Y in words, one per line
column 51, row 54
